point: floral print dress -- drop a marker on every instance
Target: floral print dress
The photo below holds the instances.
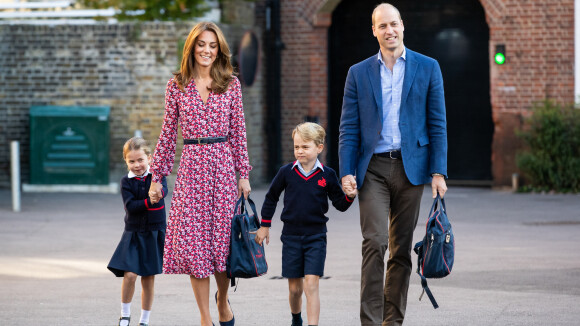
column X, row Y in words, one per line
column 202, row 205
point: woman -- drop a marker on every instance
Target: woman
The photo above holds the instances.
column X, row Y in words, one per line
column 206, row 100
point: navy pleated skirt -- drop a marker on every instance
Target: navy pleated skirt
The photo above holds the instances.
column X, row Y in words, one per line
column 140, row 252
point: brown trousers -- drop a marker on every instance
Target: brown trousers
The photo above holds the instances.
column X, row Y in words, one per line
column 389, row 209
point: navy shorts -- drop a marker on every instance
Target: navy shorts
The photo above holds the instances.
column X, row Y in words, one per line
column 303, row 255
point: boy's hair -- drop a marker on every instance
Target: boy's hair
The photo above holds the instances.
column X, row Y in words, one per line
column 310, row 131
column 135, row 144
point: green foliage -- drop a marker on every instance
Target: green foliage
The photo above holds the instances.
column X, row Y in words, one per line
column 180, row 46
column 552, row 158
column 164, row 10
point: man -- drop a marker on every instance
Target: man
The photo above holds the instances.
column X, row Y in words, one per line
column 393, row 138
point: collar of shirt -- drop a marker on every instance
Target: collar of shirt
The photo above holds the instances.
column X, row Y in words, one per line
column 403, row 55
column 316, row 166
column 133, row 175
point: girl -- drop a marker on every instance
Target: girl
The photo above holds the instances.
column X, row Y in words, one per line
column 140, row 251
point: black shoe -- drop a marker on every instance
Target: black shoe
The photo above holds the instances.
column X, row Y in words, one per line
column 128, row 319
column 227, row 323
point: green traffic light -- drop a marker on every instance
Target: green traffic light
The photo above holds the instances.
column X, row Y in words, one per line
column 499, row 58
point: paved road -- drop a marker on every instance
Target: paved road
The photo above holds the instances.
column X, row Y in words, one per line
column 517, row 263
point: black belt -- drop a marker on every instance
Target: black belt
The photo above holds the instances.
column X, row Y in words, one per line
column 395, row 155
column 204, row 140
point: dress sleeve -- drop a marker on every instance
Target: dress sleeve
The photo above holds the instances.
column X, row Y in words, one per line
column 164, row 155
column 237, row 136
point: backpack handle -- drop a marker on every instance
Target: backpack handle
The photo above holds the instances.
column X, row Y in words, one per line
column 242, row 205
column 436, row 205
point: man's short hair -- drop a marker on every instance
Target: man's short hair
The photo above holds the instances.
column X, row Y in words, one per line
column 387, row 4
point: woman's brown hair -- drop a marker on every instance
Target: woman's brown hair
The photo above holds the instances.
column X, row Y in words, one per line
column 221, row 70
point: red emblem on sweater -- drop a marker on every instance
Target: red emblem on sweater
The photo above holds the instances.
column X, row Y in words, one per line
column 322, row 182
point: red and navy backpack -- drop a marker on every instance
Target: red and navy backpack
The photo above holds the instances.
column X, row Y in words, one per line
column 437, row 250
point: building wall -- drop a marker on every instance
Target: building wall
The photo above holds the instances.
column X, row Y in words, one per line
column 304, row 67
column 539, row 39
column 125, row 66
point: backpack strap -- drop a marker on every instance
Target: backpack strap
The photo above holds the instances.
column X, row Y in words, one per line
column 233, row 283
column 419, row 251
column 426, row 290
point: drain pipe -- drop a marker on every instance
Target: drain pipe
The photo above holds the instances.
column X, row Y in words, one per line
column 274, row 94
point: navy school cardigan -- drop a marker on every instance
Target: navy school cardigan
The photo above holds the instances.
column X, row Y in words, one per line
column 305, row 200
column 140, row 214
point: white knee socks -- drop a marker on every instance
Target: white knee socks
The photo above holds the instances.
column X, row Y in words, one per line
column 145, row 316
column 125, row 309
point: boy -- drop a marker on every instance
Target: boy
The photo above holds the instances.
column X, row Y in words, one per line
column 307, row 185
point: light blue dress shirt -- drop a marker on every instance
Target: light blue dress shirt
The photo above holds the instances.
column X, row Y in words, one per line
column 304, row 173
column 392, row 87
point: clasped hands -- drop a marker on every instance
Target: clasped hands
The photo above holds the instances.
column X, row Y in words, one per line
column 155, row 192
column 349, row 185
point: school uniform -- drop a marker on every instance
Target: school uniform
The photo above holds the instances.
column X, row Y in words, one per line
column 141, row 247
column 305, row 205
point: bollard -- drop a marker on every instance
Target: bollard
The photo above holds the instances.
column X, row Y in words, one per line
column 515, row 183
column 15, row 169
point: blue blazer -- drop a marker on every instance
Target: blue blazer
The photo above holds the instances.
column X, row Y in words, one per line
column 422, row 119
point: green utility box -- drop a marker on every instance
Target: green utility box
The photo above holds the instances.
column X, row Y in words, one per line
column 69, row 145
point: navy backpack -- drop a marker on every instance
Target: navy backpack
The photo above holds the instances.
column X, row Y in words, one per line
column 247, row 259
column 437, row 250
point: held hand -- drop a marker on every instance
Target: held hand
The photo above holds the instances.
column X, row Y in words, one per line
column 350, row 192
column 438, row 185
column 244, row 188
column 348, row 181
column 263, row 233
column 155, row 193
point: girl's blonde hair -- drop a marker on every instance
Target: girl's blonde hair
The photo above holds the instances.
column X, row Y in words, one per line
column 135, row 144
column 221, row 70
column 310, row 131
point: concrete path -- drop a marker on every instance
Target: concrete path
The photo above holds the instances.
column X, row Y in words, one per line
column 517, row 263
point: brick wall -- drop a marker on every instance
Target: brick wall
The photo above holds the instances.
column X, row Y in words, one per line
column 125, row 66
column 304, row 67
column 539, row 39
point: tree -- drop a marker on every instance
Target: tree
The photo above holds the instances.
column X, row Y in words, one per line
column 149, row 10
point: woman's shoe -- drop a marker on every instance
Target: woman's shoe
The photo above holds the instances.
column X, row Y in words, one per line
column 128, row 319
column 227, row 323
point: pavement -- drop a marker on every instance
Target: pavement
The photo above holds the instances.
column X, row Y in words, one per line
column 517, row 263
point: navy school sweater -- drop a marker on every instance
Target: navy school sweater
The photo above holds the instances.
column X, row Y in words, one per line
column 305, row 200
column 140, row 214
